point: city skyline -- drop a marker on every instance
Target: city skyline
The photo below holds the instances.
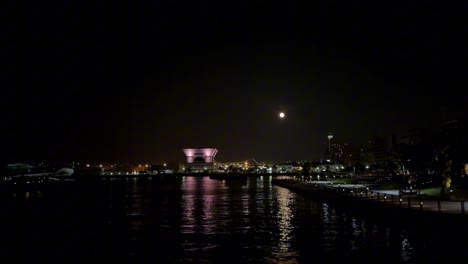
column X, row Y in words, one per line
column 143, row 81
column 391, row 141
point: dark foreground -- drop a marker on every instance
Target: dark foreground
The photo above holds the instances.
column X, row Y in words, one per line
column 198, row 219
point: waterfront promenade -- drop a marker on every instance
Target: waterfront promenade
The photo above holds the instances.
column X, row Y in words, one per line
column 383, row 201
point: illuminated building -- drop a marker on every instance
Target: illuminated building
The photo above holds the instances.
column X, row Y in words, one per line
column 199, row 159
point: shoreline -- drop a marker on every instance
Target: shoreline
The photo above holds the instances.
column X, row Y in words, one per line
column 391, row 213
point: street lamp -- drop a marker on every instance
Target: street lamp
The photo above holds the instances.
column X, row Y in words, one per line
column 403, row 175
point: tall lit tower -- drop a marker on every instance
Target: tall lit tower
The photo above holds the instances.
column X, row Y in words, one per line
column 329, row 150
column 330, row 136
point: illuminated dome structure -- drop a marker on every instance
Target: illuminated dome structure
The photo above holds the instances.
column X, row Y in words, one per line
column 199, row 159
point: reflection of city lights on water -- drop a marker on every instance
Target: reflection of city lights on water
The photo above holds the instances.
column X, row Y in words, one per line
column 406, row 249
column 199, row 197
column 325, row 214
column 285, row 217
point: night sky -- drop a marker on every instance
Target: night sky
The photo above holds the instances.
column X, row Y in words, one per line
column 139, row 81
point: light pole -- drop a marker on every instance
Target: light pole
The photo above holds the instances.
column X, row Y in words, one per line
column 403, row 175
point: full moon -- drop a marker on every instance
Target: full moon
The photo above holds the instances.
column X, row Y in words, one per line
column 281, row 115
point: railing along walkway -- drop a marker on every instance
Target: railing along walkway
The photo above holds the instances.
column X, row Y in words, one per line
column 415, row 202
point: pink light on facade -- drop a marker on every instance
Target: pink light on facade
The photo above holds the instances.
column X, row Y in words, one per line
column 207, row 154
column 189, row 152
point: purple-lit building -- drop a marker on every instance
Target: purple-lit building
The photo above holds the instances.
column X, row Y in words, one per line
column 199, row 159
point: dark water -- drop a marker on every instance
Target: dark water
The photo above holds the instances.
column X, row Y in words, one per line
column 198, row 219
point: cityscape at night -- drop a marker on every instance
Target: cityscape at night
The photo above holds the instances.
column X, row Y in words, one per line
column 234, row 132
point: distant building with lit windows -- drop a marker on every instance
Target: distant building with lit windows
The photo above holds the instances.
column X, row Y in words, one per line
column 351, row 154
column 199, row 159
